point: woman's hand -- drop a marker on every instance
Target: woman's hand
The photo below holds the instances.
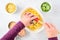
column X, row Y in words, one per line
column 50, row 30
column 27, row 18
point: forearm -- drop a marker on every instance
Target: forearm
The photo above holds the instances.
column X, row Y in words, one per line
column 54, row 38
column 13, row 32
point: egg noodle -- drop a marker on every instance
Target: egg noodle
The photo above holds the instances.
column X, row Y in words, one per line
column 35, row 25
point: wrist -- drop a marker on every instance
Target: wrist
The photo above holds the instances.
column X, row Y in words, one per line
column 52, row 35
column 20, row 24
column 23, row 22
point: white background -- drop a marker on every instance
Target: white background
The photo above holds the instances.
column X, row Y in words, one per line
column 52, row 16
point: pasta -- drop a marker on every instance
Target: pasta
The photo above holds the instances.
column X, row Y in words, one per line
column 35, row 25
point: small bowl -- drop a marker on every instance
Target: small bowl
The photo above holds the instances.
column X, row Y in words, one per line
column 38, row 30
column 10, row 24
column 11, row 8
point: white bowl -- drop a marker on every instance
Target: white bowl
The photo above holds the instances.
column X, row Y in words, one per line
column 39, row 30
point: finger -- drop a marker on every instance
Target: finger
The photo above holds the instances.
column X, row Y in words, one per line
column 31, row 15
column 31, row 22
column 27, row 13
column 52, row 26
column 48, row 26
column 32, row 18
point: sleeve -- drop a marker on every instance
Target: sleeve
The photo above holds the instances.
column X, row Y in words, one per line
column 11, row 34
column 54, row 38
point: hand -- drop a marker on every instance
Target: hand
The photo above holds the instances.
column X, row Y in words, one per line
column 50, row 30
column 27, row 18
column 22, row 33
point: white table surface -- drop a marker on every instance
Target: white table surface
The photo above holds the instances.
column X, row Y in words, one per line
column 52, row 16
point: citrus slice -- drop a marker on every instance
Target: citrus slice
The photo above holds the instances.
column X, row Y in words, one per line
column 45, row 6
